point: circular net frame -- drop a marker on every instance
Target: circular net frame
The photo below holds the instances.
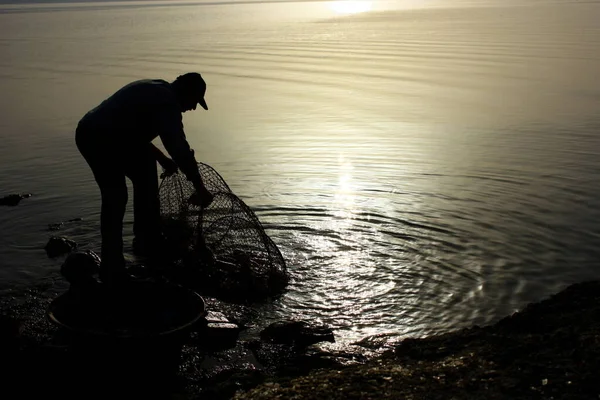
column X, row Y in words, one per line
column 227, row 227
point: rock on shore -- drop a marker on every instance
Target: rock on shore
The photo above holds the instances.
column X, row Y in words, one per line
column 13, row 200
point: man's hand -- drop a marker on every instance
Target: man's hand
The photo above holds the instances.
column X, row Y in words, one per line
column 169, row 167
column 201, row 198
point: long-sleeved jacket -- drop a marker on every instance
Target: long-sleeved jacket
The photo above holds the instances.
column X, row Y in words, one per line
column 135, row 115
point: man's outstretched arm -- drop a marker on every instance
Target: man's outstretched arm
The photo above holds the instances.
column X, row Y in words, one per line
column 176, row 144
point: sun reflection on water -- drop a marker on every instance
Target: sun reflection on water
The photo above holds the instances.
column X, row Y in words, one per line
column 345, row 194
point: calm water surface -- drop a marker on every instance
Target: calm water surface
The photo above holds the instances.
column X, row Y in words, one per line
column 421, row 168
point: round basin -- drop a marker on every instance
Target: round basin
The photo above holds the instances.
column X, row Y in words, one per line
column 142, row 328
column 144, row 310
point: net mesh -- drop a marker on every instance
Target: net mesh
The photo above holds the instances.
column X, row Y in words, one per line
column 224, row 245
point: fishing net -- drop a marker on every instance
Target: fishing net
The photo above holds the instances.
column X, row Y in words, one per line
column 223, row 248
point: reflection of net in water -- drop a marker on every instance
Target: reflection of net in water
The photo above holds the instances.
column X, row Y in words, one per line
column 248, row 259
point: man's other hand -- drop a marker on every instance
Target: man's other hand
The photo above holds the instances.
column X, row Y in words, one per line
column 201, row 198
column 169, row 167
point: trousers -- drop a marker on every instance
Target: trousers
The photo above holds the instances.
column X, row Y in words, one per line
column 111, row 164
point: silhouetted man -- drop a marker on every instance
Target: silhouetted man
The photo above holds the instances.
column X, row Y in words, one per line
column 115, row 138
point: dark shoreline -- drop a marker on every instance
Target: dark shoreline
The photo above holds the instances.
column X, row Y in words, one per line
column 550, row 349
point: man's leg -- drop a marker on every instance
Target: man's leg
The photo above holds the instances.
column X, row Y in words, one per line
column 142, row 170
column 109, row 173
column 113, row 190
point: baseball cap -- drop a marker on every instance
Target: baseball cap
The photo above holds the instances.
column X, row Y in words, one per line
column 194, row 82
